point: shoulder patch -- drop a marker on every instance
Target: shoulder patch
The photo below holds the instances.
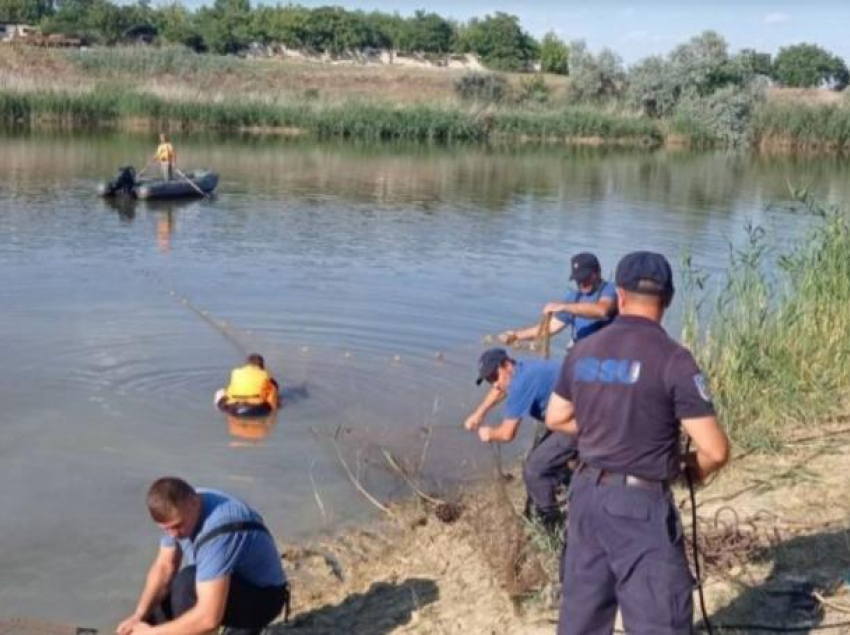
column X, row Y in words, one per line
column 702, row 387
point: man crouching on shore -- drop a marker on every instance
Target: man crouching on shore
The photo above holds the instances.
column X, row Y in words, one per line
column 231, row 573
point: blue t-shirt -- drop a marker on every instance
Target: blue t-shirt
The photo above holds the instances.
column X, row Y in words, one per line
column 251, row 555
column 584, row 326
column 532, row 383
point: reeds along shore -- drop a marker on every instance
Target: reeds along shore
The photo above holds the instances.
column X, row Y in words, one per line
column 152, row 88
column 116, row 108
column 775, row 340
column 813, row 127
column 823, row 128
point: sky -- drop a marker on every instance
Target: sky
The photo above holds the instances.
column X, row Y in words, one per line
column 636, row 29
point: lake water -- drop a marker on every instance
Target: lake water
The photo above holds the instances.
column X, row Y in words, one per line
column 368, row 276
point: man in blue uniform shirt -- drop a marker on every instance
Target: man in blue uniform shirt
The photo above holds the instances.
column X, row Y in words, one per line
column 217, row 565
column 626, row 393
column 525, row 387
column 586, row 309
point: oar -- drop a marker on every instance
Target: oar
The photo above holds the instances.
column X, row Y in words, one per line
column 190, row 181
column 145, row 169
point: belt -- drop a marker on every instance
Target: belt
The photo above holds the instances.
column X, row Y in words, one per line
column 608, row 477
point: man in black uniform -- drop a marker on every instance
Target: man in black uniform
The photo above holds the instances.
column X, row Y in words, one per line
column 626, row 393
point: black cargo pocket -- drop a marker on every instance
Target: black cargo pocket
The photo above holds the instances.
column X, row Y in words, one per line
column 674, row 526
column 628, row 503
column 672, row 589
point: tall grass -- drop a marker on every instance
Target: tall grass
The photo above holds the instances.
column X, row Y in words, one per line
column 776, row 342
column 134, row 61
column 802, row 126
column 578, row 122
column 115, row 105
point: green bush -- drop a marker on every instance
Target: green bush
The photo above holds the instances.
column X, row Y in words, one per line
column 751, row 63
column 534, row 90
column 709, row 94
column 653, row 88
column 554, row 55
column 176, row 25
column 483, row 87
column 701, row 65
column 226, row 26
column 594, row 77
column 809, row 66
column 99, row 21
column 499, row 42
column 24, row 11
column 722, row 118
column 426, row 33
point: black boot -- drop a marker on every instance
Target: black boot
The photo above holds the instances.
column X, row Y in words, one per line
column 552, row 520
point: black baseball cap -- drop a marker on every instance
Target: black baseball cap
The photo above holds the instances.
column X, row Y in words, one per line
column 489, row 363
column 647, row 273
column 583, row 265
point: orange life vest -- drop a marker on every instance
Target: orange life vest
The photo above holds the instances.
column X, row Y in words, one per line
column 252, row 385
column 165, row 153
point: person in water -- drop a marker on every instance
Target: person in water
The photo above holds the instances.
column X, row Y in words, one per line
column 251, row 387
column 166, row 156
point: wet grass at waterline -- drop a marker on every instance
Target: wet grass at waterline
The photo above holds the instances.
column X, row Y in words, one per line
column 776, row 342
column 116, row 107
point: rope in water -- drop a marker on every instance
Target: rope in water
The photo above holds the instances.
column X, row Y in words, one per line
column 227, row 331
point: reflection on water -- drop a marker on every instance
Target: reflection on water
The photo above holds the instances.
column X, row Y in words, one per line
column 254, row 429
column 366, row 276
column 164, row 229
column 164, row 212
column 124, row 206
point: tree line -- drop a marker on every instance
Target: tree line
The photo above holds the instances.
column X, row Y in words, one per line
column 707, row 93
column 498, row 40
column 231, row 26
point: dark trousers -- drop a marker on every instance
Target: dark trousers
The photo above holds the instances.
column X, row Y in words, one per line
column 546, row 468
column 625, row 549
column 249, row 607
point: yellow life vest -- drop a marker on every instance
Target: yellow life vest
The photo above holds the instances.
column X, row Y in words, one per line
column 165, row 153
column 248, row 384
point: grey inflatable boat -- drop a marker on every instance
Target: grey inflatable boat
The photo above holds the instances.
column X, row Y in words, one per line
column 195, row 183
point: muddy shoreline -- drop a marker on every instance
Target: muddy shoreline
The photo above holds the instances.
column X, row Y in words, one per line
column 773, row 530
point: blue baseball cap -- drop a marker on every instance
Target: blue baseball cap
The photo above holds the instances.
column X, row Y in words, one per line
column 647, row 273
column 583, row 265
column 489, row 362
